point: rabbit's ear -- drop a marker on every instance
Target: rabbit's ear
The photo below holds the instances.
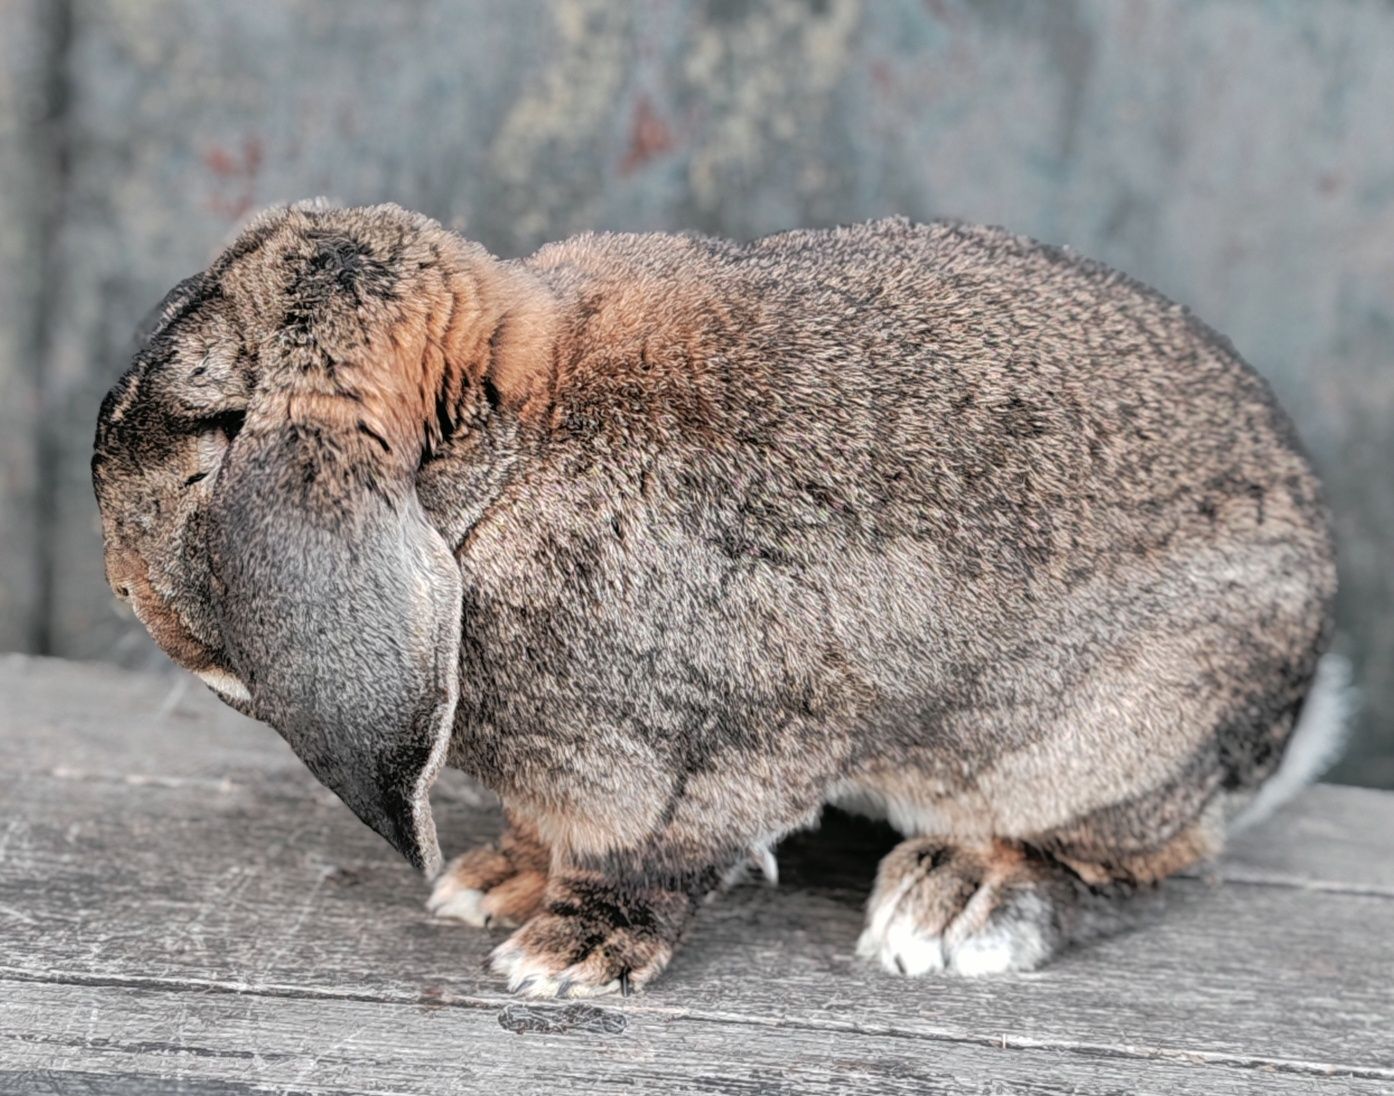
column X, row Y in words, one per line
column 340, row 611
column 339, row 604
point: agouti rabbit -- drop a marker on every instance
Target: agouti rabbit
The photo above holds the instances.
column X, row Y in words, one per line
column 671, row 541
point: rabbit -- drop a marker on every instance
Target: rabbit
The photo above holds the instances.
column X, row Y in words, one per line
column 672, row 541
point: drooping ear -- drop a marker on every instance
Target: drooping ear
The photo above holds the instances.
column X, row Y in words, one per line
column 339, row 604
column 340, row 610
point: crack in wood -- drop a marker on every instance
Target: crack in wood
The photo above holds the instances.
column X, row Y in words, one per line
column 551, row 1019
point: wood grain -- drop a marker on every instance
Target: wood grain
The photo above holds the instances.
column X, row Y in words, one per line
column 122, row 1040
column 182, row 908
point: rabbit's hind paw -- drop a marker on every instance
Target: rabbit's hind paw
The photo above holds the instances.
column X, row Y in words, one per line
column 967, row 910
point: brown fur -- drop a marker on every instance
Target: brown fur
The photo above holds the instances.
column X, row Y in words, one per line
column 512, row 875
column 672, row 540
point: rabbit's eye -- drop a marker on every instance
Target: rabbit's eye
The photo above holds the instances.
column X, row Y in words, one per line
column 215, row 435
column 229, row 422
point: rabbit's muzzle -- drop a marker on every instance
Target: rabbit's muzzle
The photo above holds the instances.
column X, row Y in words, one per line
column 129, row 582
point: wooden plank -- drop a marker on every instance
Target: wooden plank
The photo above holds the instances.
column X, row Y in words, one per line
column 1332, row 837
column 261, row 887
column 77, row 717
column 220, row 1043
column 175, row 847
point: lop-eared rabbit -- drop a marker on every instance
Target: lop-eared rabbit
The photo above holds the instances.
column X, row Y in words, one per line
column 670, row 541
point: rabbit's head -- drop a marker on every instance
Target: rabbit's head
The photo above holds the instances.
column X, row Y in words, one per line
column 255, row 470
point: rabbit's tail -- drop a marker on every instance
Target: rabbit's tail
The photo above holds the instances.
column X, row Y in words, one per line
column 1316, row 743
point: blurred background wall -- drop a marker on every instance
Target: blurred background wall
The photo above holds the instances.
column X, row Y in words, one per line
column 1237, row 154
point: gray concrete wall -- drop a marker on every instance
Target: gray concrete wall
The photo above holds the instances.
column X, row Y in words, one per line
column 1235, row 153
column 27, row 167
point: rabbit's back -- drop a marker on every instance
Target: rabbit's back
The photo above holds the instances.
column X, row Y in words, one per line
column 1006, row 400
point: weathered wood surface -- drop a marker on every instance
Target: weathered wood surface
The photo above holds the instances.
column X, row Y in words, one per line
column 183, row 909
column 1233, row 154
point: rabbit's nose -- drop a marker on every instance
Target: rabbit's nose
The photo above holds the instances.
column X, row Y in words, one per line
column 122, row 572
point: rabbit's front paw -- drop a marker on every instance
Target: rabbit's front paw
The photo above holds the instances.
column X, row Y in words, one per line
column 969, row 910
column 593, row 937
column 494, row 884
